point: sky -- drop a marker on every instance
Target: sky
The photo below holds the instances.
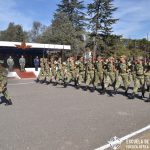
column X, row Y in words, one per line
column 133, row 15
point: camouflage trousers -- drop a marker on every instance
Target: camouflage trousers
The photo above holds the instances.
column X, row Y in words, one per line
column 70, row 76
column 81, row 77
column 89, row 78
column 139, row 82
column 98, row 78
column 41, row 77
column 48, row 77
column 59, row 76
column 109, row 79
column 3, row 89
column 22, row 67
column 123, row 78
column 147, row 81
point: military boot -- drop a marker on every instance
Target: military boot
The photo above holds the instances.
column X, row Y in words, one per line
column 8, row 102
column 78, row 86
column 65, row 84
column 86, row 88
column 126, row 92
column 132, row 96
column 55, row 83
column 103, row 91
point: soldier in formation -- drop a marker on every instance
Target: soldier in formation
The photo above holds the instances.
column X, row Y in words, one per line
column 3, row 84
column 104, row 72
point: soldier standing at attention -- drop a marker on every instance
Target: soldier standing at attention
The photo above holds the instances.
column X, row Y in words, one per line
column 3, row 84
column 123, row 75
column 22, row 63
column 10, row 63
column 36, row 63
column 139, row 78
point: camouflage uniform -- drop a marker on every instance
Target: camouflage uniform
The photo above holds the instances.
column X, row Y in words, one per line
column 3, row 84
column 22, row 63
column 70, row 74
column 10, row 63
column 42, row 76
column 80, row 72
column 109, row 74
column 122, row 75
column 89, row 73
column 98, row 72
column 139, row 79
column 147, row 79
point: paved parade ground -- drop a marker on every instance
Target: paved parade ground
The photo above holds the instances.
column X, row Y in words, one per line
column 54, row 118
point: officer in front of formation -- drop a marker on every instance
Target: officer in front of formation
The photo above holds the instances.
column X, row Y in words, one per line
column 3, row 84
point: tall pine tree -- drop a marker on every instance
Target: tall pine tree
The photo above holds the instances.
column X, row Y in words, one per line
column 74, row 11
column 101, row 20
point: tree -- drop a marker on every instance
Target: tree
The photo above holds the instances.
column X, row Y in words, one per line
column 101, row 20
column 13, row 33
column 62, row 32
column 36, row 31
column 74, row 10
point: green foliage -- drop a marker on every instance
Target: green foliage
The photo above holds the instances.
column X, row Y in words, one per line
column 74, row 11
column 13, row 33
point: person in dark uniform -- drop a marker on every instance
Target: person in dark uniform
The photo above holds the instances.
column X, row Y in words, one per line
column 36, row 63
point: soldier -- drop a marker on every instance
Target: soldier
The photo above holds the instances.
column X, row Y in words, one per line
column 59, row 72
column 70, row 74
column 10, row 63
column 109, row 74
column 147, row 79
column 36, row 63
column 48, row 77
column 89, row 74
column 22, row 63
column 42, row 76
column 80, row 76
column 139, row 78
column 3, row 84
column 123, row 75
column 98, row 72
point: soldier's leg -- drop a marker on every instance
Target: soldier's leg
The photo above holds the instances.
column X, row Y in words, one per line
column 107, row 81
column 142, row 83
column 96, row 79
column 5, row 93
column 113, row 79
column 80, row 78
column 88, row 80
column 118, row 83
column 56, row 78
column 126, row 83
column 136, row 87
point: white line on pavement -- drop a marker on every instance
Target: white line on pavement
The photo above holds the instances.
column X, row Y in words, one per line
column 20, row 83
column 124, row 138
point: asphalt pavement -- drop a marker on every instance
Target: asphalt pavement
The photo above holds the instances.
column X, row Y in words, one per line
column 55, row 118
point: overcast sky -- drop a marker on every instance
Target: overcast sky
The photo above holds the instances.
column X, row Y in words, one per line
column 134, row 15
